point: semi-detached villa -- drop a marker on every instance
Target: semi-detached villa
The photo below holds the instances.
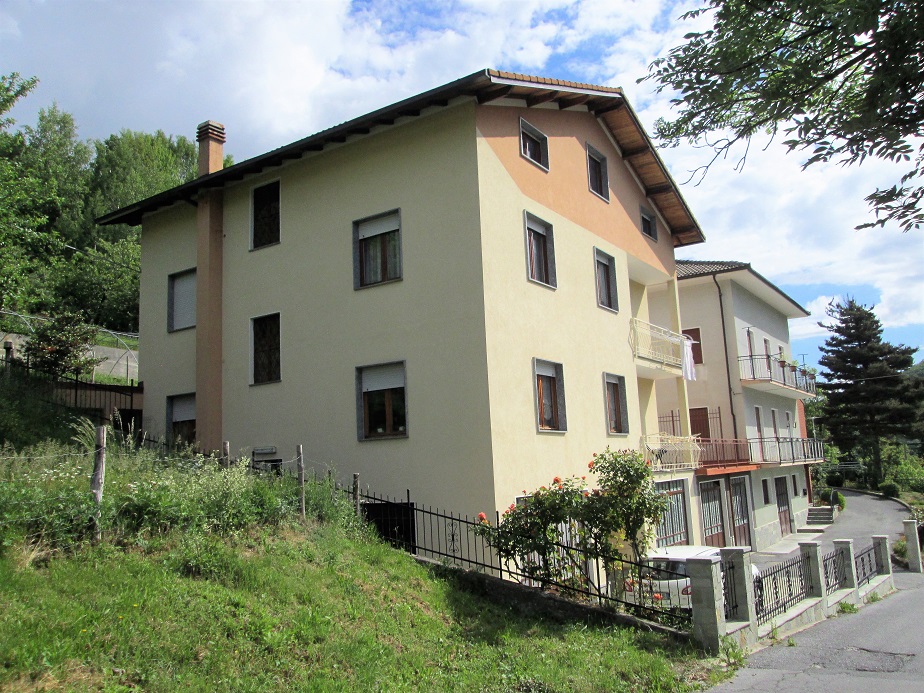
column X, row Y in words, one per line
column 463, row 294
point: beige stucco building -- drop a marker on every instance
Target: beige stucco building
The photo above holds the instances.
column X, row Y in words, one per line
column 752, row 485
column 463, row 294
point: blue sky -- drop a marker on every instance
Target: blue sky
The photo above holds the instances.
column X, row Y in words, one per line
column 273, row 72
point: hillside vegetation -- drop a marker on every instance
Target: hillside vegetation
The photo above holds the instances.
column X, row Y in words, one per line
column 207, row 580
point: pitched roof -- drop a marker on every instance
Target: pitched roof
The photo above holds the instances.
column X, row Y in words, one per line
column 607, row 103
column 751, row 280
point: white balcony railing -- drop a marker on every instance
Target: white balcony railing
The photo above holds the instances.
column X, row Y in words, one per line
column 656, row 343
column 667, row 453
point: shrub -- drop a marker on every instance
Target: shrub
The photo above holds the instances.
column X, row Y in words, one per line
column 835, row 479
column 900, row 548
column 890, row 489
column 61, row 346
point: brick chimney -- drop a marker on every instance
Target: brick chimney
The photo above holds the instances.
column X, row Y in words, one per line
column 211, row 138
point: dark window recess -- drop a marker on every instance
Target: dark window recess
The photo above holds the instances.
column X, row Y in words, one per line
column 548, row 402
column 384, row 412
column 766, row 488
column 266, row 215
column 380, row 258
column 597, row 177
column 649, row 225
column 266, row 349
column 614, row 404
column 534, row 145
column 694, row 334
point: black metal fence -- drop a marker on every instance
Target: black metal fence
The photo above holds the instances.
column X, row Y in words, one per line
column 730, row 591
column 867, row 563
column 656, row 590
column 781, row 587
column 835, row 567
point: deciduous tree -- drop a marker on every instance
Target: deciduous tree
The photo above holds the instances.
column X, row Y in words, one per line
column 842, row 79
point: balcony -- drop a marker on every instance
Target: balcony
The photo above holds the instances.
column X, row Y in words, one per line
column 770, row 374
column 786, row 450
column 725, row 456
column 659, row 352
column 667, row 453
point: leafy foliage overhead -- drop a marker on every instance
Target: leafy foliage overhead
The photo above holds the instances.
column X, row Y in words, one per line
column 842, row 79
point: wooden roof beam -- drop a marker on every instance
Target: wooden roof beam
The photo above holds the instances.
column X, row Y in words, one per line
column 661, row 189
column 542, row 97
column 494, row 93
column 575, row 100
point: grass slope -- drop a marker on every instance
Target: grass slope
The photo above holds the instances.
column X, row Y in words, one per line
column 315, row 608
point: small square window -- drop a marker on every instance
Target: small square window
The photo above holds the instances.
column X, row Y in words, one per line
column 617, row 416
column 181, row 300
column 381, row 404
column 181, row 418
column 605, row 268
column 266, row 343
column 541, row 251
column 534, row 145
column 550, row 396
column 649, row 224
column 597, row 176
column 694, row 334
column 265, row 215
column 377, row 250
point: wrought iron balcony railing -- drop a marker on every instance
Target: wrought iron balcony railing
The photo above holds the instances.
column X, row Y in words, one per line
column 771, row 369
column 656, row 343
column 667, row 453
column 781, row 450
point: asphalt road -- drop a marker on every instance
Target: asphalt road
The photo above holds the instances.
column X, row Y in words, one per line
column 879, row 649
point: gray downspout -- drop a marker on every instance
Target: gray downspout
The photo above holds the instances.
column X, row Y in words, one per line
column 731, row 402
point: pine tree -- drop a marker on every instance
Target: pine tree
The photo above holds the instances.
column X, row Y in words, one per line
column 867, row 399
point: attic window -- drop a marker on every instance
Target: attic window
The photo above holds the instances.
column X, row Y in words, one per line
column 534, row 145
column 265, row 215
column 649, row 224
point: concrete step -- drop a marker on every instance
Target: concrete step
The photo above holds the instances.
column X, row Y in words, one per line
column 813, row 529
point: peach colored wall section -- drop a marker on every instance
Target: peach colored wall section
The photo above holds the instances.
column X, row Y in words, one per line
column 564, row 187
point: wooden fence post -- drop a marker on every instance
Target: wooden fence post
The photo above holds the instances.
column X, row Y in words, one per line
column 356, row 493
column 226, row 453
column 300, row 465
column 98, row 480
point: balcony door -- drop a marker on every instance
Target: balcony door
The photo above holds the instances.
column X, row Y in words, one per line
column 782, row 505
column 710, row 496
column 741, row 519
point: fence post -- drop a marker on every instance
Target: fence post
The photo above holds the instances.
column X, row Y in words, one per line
column 914, row 546
column 845, row 547
column 226, row 453
column 356, row 493
column 883, row 554
column 707, row 600
column 817, row 586
column 98, row 480
column 300, row 465
column 740, row 558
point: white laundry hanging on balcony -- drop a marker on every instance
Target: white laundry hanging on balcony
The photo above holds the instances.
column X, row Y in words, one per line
column 687, row 366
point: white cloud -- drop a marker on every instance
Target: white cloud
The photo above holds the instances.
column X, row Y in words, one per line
column 803, row 328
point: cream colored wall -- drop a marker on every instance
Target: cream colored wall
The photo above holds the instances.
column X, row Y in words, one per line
column 432, row 319
column 526, row 320
column 167, row 363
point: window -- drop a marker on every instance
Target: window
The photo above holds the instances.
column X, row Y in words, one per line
column 382, row 410
column 789, row 425
column 181, row 418
column 265, row 215
column 550, row 396
column 377, row 250
column 694, row 334
column 265, row 341
column 795, row 487
column 649, row 224
column 541, row 251
column 617, row 415
column 181, row 300
column 534, row 145
column 597, row 177
column 672, row 528
column 766, row 487
column 605, row 267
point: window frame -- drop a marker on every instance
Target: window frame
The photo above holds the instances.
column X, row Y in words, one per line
column 359, row 249
column 646, row 214
column 600, row 259
column 541, row 378
column 253, row 350
column 253, row 215
column 540, row 138
column 534, row 227
column 171, row 300
column 612, row 381
column 697, row 343
column 363, row 432
column 593, row 154
column 171, row 400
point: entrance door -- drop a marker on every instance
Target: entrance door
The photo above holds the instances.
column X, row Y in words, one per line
column 741, row 520
column 710, row 495
column 782, row 504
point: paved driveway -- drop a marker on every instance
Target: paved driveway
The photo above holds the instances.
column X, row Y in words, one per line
column 880, row 649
